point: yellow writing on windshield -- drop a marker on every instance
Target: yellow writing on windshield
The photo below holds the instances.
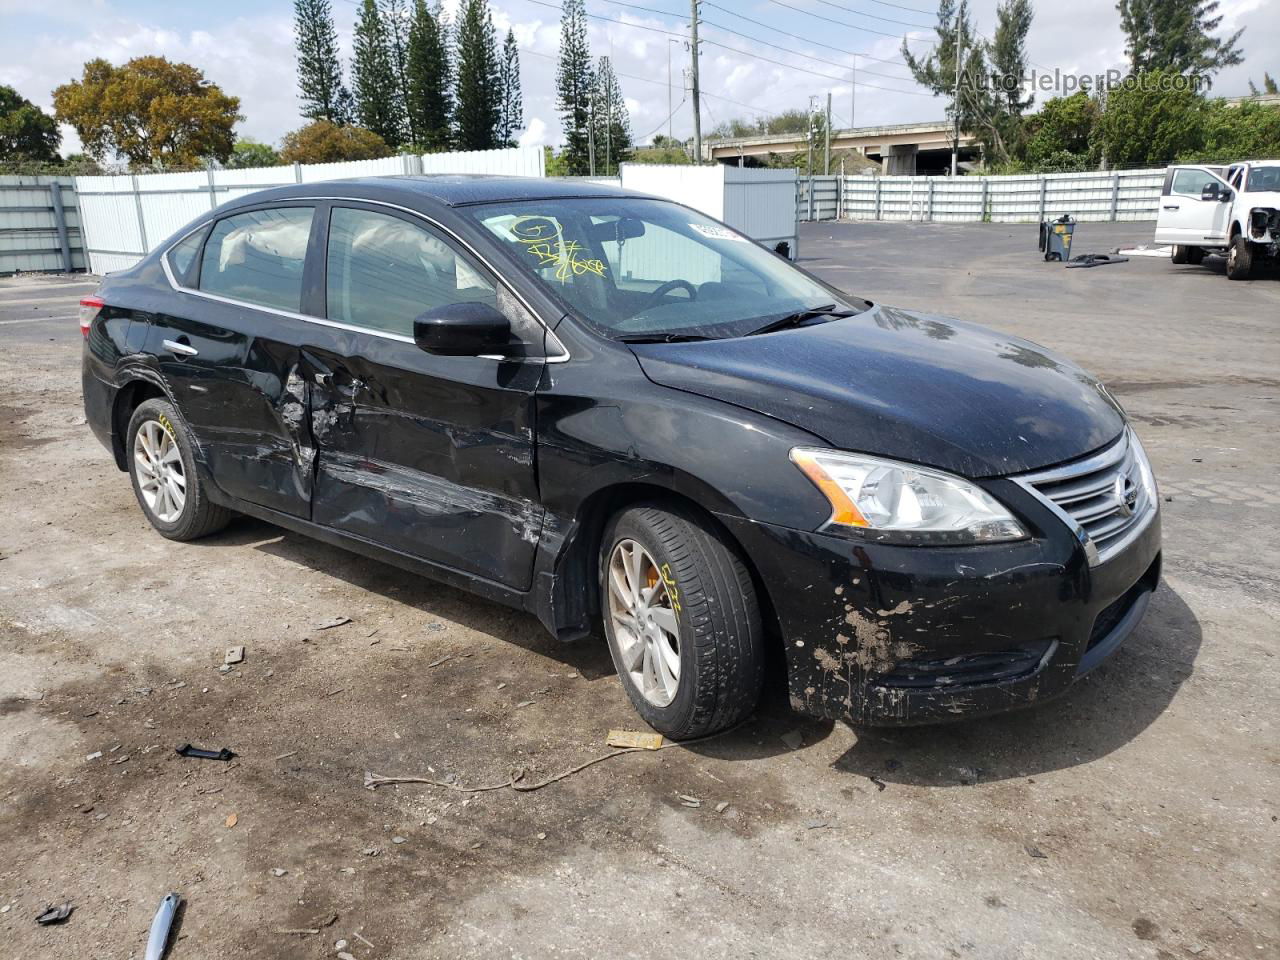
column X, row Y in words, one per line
column 543, row 240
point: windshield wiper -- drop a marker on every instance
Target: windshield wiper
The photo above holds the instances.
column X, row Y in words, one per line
column 663, row 338
column 803, row 316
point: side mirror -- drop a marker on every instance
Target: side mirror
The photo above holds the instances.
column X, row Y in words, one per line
column 1212, row 191
column 1226, row 196
column 462, row 330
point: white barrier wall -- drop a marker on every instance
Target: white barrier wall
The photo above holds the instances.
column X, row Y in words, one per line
column 125, row 217
column 1091, row 196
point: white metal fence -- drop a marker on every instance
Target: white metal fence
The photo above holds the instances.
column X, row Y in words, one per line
column 39, row 225
column 1093, row 196
column 124, row 217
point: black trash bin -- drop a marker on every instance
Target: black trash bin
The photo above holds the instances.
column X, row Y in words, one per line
column 1055, row 237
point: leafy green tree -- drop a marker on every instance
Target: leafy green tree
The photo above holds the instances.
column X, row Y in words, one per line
column 373, row 76
column 324, row 96
column 1001, row 129
column 1152, row 123
column 612, row 123
column 430, row 93
column 511, row 106
column 27, row 133
column 573, row 86
column 957, row 41
column 154, row 113
column 325, row 142
column 397, row 21
column 1063, row 129
column 250, row 153
column 479, row 91
column 1237, row 132
column 1176, row 36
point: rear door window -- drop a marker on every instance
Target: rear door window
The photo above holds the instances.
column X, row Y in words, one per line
column 182, row 257
column 383, row 272
column 258, row 257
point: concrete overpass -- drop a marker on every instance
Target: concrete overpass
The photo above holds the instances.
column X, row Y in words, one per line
column 900, row 148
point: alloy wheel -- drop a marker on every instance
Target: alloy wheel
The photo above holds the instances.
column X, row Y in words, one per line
column 645, row 628
column 161, row 479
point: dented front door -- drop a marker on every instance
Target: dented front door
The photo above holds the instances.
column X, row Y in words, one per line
column 428, row 455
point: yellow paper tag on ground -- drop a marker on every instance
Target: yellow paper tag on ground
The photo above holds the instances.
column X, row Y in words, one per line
column 634, row 738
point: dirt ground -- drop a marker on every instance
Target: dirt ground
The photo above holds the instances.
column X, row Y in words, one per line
column 1135, row 817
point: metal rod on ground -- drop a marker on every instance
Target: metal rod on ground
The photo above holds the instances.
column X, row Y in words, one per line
column 697, row 95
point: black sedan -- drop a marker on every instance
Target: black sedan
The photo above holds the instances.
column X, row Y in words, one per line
column 629, row 419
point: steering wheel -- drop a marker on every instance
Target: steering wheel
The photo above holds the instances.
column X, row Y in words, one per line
column 667, row 287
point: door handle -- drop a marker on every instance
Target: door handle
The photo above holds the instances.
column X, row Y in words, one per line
column 181, row 349
column 1172, row 206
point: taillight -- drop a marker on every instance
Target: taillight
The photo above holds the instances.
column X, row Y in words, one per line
column 89, row 307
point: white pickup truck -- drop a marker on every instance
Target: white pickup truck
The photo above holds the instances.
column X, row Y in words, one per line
column 1232, row 210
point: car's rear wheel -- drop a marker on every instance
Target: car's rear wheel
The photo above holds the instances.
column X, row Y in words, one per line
column 164, row 477
column 1180, row 253
column 1239, row 258
column 682, row 620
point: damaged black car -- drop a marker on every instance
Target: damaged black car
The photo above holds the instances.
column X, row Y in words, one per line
column 633, row 421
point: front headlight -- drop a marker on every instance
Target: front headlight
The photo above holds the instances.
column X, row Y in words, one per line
column 903, row 503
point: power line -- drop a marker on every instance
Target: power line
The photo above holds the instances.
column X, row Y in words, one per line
column 664, row 120
column 797, row 53
column 883, row 3
column 846, row 23
column 796, row 36
column 824, row 76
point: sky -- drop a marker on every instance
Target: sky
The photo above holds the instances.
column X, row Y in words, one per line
column 246, row 47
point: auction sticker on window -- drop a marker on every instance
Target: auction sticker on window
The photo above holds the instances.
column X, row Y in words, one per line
column 717, row 233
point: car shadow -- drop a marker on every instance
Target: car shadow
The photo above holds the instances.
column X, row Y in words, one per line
column 1262, row 269
column 761, row 736
column 1101, row 713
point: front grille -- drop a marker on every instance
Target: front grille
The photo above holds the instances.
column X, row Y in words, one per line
column 1105, row 499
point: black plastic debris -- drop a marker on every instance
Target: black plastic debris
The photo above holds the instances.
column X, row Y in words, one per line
column 1095, row 260
column 187, row 750
column 54, row 915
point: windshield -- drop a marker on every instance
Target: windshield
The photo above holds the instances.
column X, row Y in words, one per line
column 1264, row 178
column 636, row 268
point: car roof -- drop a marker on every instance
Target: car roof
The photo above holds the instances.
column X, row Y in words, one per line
column 453, row 190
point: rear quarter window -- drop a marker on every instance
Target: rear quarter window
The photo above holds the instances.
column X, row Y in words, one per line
column 182, row 257
column 258, row 257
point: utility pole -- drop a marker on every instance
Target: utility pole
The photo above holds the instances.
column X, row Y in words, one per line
column 826, row 147
column 813, row 109
column 853, row 93
column 697, row 95
column 670, row 109
column 955, row 100
column 591, row 135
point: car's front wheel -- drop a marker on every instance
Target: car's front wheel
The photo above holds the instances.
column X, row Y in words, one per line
column 682, row 620
column 1239, row 258
column 164, row 477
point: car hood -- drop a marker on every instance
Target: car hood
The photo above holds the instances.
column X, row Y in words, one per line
column 927, row 390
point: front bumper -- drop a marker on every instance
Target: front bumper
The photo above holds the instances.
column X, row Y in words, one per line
column 880, row 634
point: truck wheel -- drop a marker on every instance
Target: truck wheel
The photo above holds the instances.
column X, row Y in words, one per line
column 164, row 476
column 682, row 620
column 1239, row 258
column 1180, row 253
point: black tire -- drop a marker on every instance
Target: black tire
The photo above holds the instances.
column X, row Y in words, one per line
column 1239, row 258
column 199, row 516
column 722, row 668
column 1195, row 255
column 1180, row 253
